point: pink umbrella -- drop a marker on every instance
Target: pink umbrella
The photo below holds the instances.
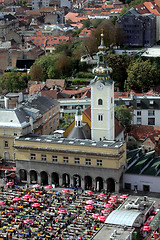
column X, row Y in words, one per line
column 101, row 195
column 112, row 201
column 28, row 221
column 32, row 200
column 146, row 228
column 62, row 211
column 105, row 211
column 10, row 184
column 35, row 205
column 27, row 196
column 89, row 207
column 108, row 205
column 150, row 218
column 89, row 192
column 95, row 215
column 124, row 196
column 36, row 186
column 16, row 199
column 90, row 202
column 102, row 218
column 65, row 191
column 48, row 187
column 114, row 197
column 2, row 203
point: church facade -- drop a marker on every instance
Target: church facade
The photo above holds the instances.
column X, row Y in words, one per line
column 78, row 162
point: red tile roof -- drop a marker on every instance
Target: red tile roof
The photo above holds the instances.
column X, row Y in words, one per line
column 74, row 92
column 49, row 93
column 58, row 82
column 36, row 88
column 142, row 132
column 48, row 41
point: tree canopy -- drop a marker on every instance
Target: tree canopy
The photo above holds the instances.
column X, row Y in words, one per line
column 124, row 115
column 141, row 75
column 12, row 82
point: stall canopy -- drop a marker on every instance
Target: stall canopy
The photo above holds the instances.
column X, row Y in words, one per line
column 123, row 217
column 3, row 168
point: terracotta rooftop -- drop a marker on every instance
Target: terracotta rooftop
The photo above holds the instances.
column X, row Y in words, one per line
column 58, row 82
column 74, row 92
column 49, row 93
column 142, row 132
column 36, row 88
column 48, row 41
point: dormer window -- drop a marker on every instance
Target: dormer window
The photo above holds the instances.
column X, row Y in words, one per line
column 151, row 102
column 101, row 58
column 138, row 103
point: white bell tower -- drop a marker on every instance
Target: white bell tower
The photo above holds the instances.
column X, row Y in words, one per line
column 102, row 99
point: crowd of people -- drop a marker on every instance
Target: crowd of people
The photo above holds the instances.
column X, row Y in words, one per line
column 44, row 213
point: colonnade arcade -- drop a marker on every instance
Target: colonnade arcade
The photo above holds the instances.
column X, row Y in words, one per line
column 66, row 180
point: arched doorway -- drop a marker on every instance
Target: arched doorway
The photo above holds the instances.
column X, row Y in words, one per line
column 99, row 183
column 110, row 185
column 76, row 181
column 55, row 179
column 6, row 155
column 23, row 175
column 65, row 180
column 44, row 178
column 33, row 177
column 88, row 182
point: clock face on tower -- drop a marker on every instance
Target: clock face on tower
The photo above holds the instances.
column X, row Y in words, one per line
column 100, row 86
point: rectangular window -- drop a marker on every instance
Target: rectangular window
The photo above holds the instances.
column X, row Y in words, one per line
column 88, row 161
column 6, row 144
column 54, row 158
column 151, row 121
column 46, row 127
column 49, row 114
column 5, row 132
column 151, row 112
column 53, row 112
column 65, row 159
column 43, row 157
column 33, row 156
column 139, row 121
column 76, row 161
column 127, row 186
column 146, row 188
column 100, row 117
column 138, row 113
column 45, row 118
column 15, row 133
column 99, row 162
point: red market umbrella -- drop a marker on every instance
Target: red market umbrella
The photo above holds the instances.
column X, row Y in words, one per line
column 48, row 187
column 36, row 186
column 16, row 199
column 108, row 205
column 10, row 184
column 2, row 203
column 101, row 195
column 32, row 200
column 89, row 192
column 28, row 221
column 27, row 196
column 124, row 196
column 62, row 211
column 35, row 205
column 95, row 215
column 90, row 202
column 114, row 197
column 65, row 191
column 146, row 228
column 89, row 207
column 112, row 201
column 102, row 218
column 105, row 211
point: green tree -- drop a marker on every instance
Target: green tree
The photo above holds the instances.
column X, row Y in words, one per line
column 141, row 75
column 124, row 115
column 12, row 82
column 66, row 120
column 86, row 23
column 36, row 73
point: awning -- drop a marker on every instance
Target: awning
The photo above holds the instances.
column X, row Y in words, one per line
column 11, row 169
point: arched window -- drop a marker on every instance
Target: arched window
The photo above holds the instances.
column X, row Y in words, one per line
column 100, row 101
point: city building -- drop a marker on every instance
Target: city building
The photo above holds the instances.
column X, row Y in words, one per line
column 96, row 163
column 140, row 29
